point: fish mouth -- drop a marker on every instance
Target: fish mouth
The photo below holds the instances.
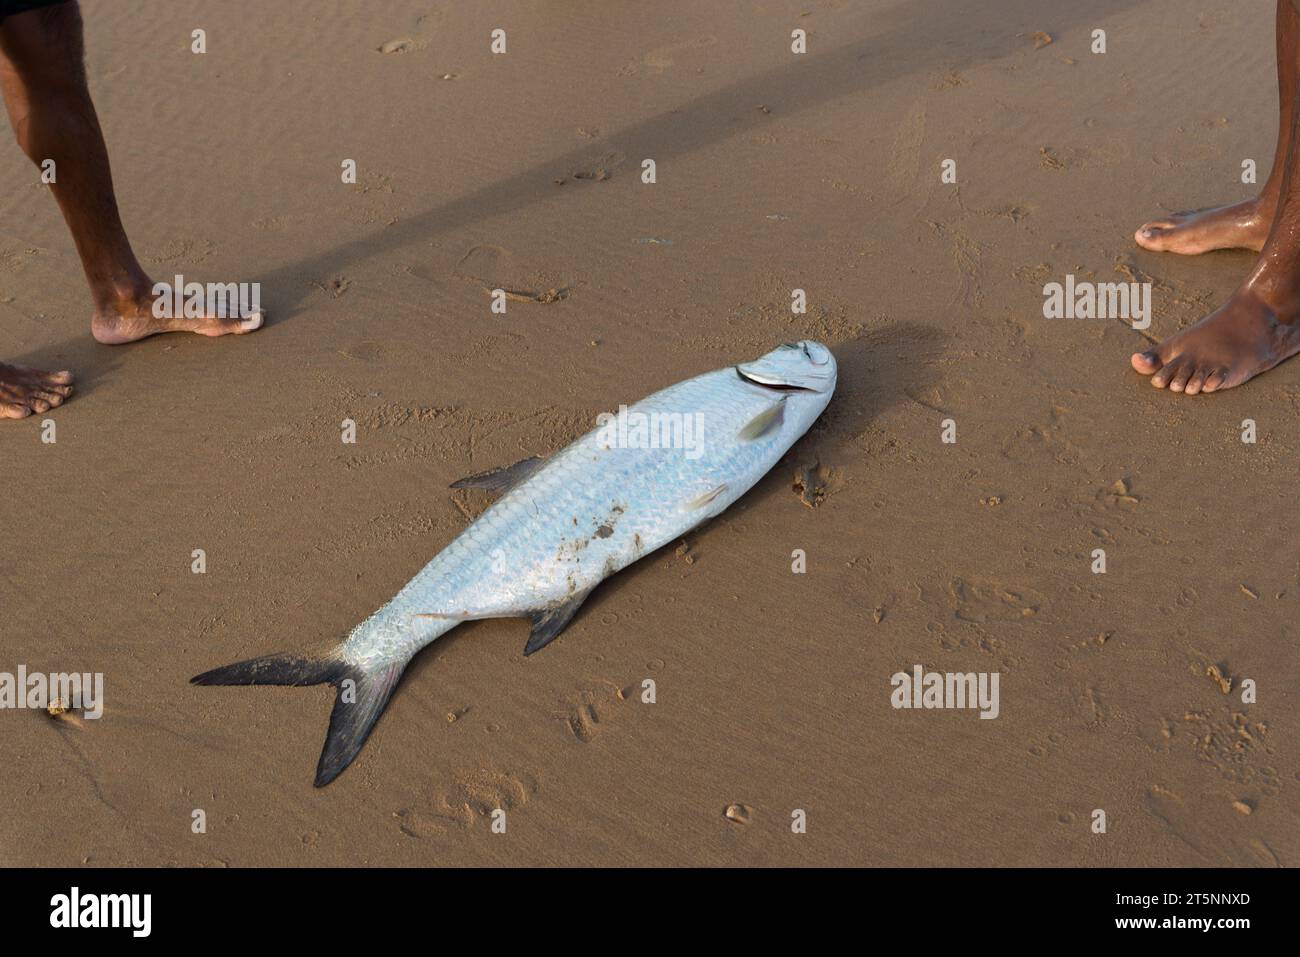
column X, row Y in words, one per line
column 772, row 384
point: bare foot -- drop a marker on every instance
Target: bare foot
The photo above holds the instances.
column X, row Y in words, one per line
column 1239, row 340
column 1243, row 225
column 24, row 391
column 132, row 319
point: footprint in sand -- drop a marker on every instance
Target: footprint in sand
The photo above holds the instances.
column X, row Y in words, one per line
column 1047, row 747
column 334, row 287
column 487, row 263
column 584, row 722
column 1093, row 707
column 494, row 267
column 814, row 483
column 584, row 715
column 983, row 601
column 473, row 795
column 932, row 398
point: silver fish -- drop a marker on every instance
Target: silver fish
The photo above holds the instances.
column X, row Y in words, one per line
column 639, row 480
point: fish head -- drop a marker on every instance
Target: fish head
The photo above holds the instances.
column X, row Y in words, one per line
column 802, row 372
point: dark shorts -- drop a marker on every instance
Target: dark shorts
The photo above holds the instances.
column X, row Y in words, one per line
column 9, row 7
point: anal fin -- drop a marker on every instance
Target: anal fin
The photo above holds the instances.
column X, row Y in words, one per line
column 549, row 622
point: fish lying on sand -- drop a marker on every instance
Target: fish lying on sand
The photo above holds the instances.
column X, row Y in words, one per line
column 566, row 523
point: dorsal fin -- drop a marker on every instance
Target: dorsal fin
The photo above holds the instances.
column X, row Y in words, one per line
column 503, row 479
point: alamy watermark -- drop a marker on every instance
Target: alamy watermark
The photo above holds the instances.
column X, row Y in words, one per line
column 80, row 691
column 133, row 912
column 942, row 689
column 195, row 300
column 1130, row 301
column 631, row 429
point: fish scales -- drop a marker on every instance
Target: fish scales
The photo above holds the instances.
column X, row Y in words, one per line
column 540, row 542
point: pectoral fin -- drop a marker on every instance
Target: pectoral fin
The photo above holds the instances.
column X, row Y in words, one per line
column 766, row 421
column 549, row 622
column 503, row 479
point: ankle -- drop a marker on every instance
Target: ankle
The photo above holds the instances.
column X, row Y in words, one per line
column 1266, row 201
column 122, row 295
column 1275, row 286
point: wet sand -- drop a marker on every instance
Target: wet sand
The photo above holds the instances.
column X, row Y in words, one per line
column 774, row 172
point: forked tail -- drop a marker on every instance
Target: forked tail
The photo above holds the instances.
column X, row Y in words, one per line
column 363, row 691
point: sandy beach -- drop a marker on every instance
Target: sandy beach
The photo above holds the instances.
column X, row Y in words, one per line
column 1120, row 691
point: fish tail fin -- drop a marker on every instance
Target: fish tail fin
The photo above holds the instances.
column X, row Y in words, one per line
column 364, row 688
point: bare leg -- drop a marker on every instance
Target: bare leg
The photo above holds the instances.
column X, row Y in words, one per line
column 1241, row 225
column 43, row 79
column 1259, row 325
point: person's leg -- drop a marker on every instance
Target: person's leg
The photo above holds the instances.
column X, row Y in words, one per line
column 1241, row 225
column 24, row 391
column 43, row 79
column 1259, row 325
